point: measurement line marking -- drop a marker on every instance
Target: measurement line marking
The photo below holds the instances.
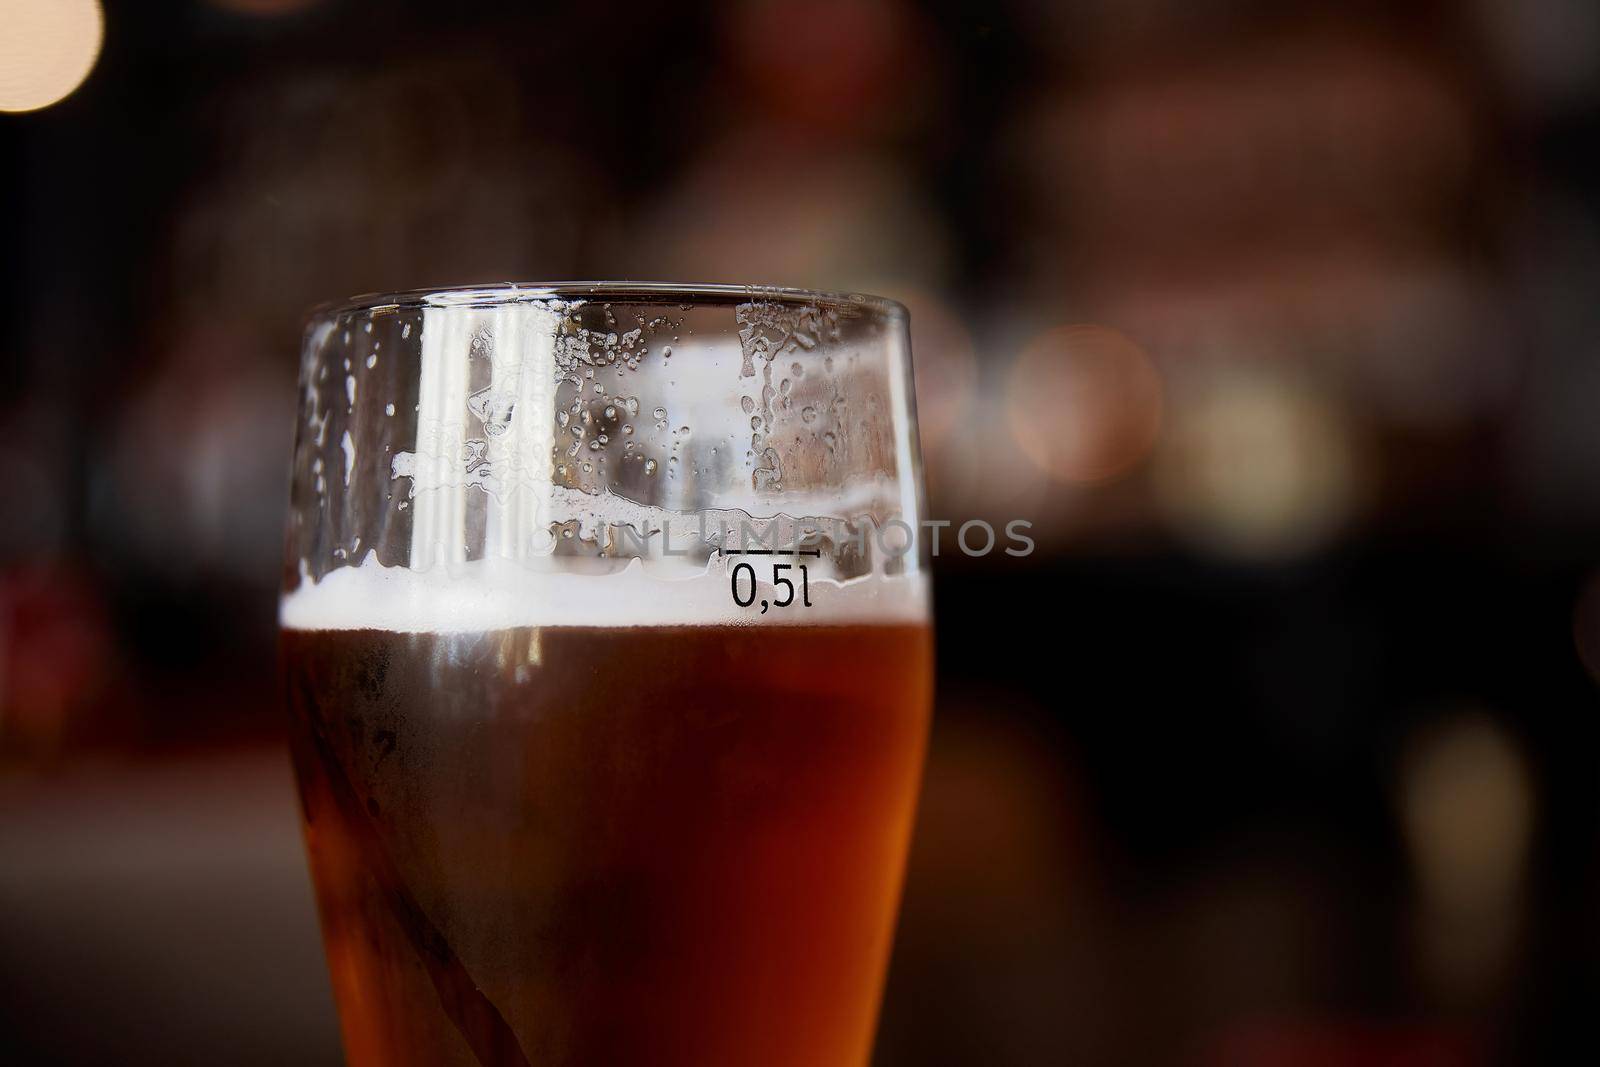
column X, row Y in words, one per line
column 816, row 552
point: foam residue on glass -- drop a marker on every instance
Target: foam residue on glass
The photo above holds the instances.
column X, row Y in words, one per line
column 575, row 463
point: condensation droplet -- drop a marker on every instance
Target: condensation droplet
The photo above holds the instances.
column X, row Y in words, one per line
column 649, row 466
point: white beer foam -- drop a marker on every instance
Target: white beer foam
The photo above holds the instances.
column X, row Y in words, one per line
column 497, row 593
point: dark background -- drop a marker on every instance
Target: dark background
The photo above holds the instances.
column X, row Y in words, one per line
column 1278, row 321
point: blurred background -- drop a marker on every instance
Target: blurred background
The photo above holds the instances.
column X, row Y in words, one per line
column 1279, row 322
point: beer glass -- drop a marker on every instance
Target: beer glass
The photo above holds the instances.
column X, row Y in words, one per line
column 606, row 646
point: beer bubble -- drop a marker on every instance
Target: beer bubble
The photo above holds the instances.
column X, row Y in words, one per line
column 649, row 466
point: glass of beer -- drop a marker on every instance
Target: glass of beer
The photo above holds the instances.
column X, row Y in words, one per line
column 607, row 651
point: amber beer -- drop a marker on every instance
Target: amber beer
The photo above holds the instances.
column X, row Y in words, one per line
column 592, row 845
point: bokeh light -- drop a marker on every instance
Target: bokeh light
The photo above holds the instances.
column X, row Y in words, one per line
column 1467, row 812
column 1084, row 403
column 1256, row 465
column 47, row 50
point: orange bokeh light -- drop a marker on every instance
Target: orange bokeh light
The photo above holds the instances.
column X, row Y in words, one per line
column 1084, row 403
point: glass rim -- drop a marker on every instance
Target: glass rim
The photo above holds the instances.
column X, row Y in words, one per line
column 497, row 294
